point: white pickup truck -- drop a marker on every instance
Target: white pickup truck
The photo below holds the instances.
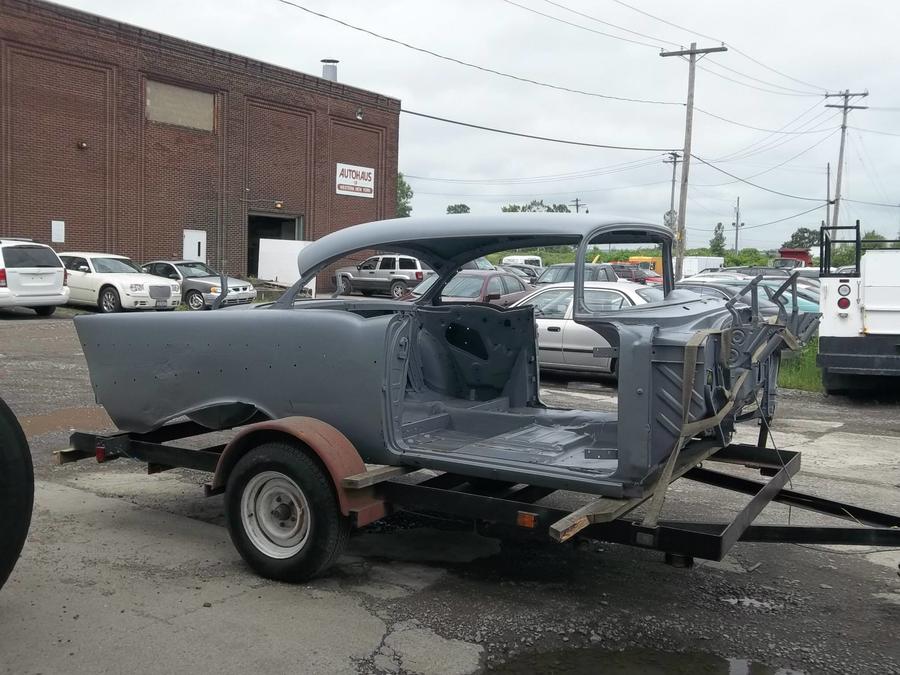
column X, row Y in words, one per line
column 859, row 333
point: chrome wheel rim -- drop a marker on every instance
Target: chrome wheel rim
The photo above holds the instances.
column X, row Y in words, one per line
column 397, row 290
column 343, row 288
column 195, row 301
column 109, row 301
column 275, row 515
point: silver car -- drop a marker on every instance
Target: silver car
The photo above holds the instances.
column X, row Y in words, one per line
column 200, row 284
column 393, row 274
column 564, row 344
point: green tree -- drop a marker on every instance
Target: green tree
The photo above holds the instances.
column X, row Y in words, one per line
column 746, row 256
column 803, row 237
column 458, row 208
column 872, row 235
column 535, row 206
column 717, row 243
column 404, row 197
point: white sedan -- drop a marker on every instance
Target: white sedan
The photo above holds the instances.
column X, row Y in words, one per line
column 566, row 345
column 113, row 283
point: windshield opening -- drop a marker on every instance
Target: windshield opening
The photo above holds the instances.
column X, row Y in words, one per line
column 196, row 269
column 115, row 266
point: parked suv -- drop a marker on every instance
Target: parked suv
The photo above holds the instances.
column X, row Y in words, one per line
column 31, row 275
column 390, row 273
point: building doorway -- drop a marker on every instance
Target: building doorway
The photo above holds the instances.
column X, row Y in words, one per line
column 269, row 227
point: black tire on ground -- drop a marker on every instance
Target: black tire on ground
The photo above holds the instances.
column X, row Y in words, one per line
column 398, row 288
column 45, row 311
column 16, row 490
column 835, row 384
column 194, row 300
column 264, row 481
column 344, row 287
column 108, row 301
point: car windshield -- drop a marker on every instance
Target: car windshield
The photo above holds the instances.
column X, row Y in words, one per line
column 482, row 264
column 422, row 288
column 556, row 274
column 115, row 266
column 651, row 294
column 195, row 269
column 463, row 286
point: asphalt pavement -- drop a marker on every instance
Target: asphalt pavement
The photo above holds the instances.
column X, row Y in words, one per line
column 129, row 572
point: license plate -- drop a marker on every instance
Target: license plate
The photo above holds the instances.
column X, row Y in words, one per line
column 162, row 303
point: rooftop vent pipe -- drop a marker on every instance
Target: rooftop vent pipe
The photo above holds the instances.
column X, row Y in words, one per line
column 329, row 69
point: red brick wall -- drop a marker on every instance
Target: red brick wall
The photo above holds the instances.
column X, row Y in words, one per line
column 68, row 77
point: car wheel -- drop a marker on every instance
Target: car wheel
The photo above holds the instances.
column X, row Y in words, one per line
column 834, row 384
column 195, row 301
column 343, row 286
column 398, row 289
column 44, row 311
column 109, row 302
column 282, row 513
column 16, row 490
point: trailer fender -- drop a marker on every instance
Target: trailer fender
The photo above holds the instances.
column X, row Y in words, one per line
column 330, row 446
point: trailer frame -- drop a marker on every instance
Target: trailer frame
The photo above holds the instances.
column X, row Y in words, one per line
column 515, row 507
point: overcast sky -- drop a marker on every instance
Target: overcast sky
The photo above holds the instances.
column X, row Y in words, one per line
column 831, row 44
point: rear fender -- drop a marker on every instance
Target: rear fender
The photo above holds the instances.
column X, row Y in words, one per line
column 336, row 454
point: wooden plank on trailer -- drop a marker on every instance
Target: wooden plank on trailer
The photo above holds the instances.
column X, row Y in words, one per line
column 375, row 476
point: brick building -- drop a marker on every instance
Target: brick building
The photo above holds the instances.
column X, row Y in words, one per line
column 152, row 147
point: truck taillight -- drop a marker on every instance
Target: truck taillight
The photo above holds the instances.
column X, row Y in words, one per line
column 843, row 303
column 420, row 275
column 2, row 278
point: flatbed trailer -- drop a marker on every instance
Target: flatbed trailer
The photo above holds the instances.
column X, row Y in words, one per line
column 363, row 494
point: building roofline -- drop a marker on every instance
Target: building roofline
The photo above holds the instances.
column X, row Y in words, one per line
column 151, row 39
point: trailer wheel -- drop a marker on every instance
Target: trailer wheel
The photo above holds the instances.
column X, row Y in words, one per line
column 283, row 514
column 16, row 490
column 834, row 384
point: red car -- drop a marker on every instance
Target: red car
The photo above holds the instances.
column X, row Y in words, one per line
column 493, row 286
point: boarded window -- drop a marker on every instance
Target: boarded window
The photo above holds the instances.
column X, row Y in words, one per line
column 178, row 105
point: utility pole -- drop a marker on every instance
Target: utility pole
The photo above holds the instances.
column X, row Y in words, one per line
column 686, row 153
column 828, row 195
column 846, row 107
column 669, row 218
column 578, row 204
column 737, row 224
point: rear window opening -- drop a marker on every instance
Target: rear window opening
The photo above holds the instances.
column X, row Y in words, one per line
column 29, row 256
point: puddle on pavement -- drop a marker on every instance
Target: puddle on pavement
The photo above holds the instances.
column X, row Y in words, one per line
column 65, row 419
column 632, row 662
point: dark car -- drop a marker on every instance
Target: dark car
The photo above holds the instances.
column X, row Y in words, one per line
column 626, row 272
column 530, row 271
column 753, row 270
column 565, row 272
column 492, row 286
column 767, row 308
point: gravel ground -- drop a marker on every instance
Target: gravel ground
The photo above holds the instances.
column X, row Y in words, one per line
column 417, row 593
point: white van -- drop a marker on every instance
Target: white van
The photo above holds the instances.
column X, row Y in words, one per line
column 31, row 275
column 532, row 260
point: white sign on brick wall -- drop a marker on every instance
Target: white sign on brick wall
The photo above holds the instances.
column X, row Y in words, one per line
column 355, row 181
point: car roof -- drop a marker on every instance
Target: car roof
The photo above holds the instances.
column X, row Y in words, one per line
column 480, row 273
column 446, row 242
column 571, row 264
column 82, row 254
column 175, row 262
column 613, row 285
column 13, row 241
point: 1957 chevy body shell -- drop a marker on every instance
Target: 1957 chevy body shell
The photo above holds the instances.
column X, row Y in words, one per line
column 452, row 387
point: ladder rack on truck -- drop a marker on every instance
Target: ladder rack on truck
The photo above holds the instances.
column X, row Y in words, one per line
column 363, row 494
column 859, row 332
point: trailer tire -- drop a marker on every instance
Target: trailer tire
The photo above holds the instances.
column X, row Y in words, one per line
column 283, row 514
column 834, row 384
column 16, row 490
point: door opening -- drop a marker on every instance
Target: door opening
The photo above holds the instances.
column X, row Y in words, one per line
column 269, row 227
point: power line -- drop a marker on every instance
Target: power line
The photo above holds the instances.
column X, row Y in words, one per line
column 875, row 131
column 814, row 106
column 474, row 66
column 505, row 195
column 753, row 86
column 777, row 143
column 748, row 126
column 771, row 222
column 777, row 166
column 579, row 26
column 530, row 180
column 859, row 201
column 537, row 138
column 612, row 25
column 760, row 187
column 733, row 48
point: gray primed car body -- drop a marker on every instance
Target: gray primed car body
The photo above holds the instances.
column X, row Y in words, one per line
column 453, row 387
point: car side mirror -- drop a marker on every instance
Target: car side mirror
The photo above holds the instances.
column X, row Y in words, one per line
column 84, row 268
column 174, row 276
column 491, row 297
